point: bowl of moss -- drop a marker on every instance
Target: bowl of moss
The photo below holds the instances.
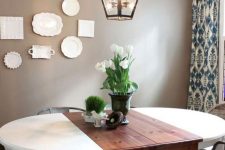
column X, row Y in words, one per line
column 93, row 104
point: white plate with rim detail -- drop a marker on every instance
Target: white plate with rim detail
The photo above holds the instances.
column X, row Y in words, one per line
column 71, row 47
column 12, row 60
column 71, row 7
column 47, row 24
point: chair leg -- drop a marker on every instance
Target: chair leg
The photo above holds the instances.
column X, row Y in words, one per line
column 223, row 139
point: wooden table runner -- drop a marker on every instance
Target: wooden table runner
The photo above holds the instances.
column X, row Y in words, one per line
column 142, row 132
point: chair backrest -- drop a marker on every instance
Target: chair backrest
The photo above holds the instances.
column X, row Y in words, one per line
column 219, row 143
column 218, row 110
column 51, row 110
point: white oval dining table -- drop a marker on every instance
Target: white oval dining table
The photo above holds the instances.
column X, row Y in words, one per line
column 57, row 132
column 210, row 127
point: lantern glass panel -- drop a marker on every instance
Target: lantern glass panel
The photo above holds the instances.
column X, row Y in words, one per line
column 127, row 7
column 111, row 7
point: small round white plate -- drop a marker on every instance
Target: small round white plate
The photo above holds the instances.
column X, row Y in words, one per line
column 71, row 47
column 71, row 7
column 12, row 60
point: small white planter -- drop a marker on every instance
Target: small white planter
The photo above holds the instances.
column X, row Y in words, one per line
column 88, row 118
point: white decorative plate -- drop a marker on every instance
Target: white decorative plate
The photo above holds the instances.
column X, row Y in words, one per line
column 71, row 47
column 12, row 60
column 70, row 7
column 47, row 24
column 11, row 28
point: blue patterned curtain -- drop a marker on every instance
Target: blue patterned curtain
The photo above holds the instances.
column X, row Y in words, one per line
column 203, row 89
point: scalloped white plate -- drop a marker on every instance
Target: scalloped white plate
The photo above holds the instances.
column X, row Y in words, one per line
column 71, row 47
column 12, row 60
column 47, row 24
column 71, row 7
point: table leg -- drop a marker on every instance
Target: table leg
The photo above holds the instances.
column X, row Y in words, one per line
column 2, row 147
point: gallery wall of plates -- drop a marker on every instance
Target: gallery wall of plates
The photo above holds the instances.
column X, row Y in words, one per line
column 45, row 24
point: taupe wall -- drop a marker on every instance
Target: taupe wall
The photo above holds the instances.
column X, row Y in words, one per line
column 160, row 32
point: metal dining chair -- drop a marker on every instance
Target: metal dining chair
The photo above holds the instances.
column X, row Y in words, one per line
column 51, row 110
column 217, row 144
column 218, row 110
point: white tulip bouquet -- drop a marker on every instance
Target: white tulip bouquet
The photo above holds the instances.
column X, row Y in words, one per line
column 117, row 70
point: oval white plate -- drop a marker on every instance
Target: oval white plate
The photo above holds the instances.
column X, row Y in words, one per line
column 12, row 60
column 70, row 7
column 71, row 47
column 47, row 24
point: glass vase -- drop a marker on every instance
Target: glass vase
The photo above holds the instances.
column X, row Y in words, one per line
column 121, row 103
